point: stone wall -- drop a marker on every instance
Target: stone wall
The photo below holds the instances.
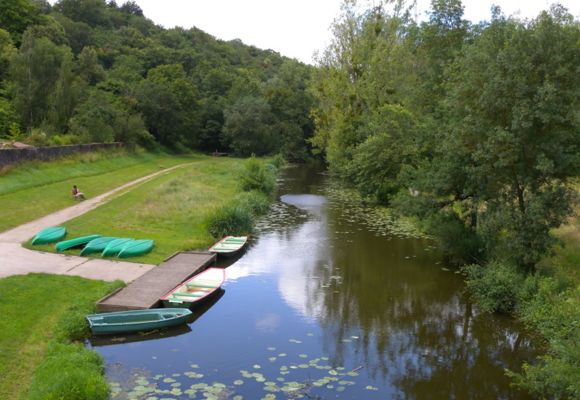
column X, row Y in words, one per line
column 14, row 156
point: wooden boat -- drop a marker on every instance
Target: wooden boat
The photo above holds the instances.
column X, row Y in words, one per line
column 195, row 289
column 229, row 246
column 115, row 246
column 49, row 235
column 136, row 248
column 136, row 320
column 76, row 242
column 97, row 245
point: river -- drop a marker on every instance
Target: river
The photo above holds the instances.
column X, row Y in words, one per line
column 327, row 303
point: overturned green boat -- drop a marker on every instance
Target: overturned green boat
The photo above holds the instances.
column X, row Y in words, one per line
column 136, row 320
column 115, row 246
column 136, row 248
column 49, row 235
column 76, row 242
column 97, row 245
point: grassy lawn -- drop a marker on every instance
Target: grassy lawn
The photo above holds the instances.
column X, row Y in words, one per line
column 46, row 187
column 170, row 209
column 30, row 308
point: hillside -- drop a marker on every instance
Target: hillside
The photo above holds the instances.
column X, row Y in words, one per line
column 96, row 71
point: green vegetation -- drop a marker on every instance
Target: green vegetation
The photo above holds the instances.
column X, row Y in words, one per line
column 472, row 130
column 94, row 71
column 172, row 209
column 237, row 217
column 36, row 330
column 46, row 187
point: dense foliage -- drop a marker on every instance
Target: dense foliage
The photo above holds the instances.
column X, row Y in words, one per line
column 93, row 71
column 474, row 131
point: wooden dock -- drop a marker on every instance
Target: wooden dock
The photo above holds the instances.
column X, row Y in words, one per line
column 145, row 291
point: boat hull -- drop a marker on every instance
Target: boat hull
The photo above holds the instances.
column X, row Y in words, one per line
column 136, row 248
column 229, row 246
column 115, row 247
column 97, row 245
column 136, row 320
column 195, row 290
column 49, row 235
column 76, row 242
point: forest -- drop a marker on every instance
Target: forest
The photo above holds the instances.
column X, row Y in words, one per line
column 471, row 129
column 94, row 71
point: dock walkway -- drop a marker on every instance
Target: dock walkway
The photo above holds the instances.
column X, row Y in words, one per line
column 145, row 291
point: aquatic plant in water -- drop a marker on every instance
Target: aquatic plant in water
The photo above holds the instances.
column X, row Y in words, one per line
column 291, row 380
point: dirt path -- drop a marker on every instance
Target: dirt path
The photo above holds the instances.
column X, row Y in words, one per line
column 16, row 260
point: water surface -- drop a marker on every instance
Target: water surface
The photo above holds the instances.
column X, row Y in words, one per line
column 326, row 304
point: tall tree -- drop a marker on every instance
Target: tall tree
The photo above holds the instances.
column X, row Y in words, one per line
column 35, row 71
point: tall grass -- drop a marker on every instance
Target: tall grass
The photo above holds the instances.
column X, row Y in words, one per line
column 237, row 217
column 259, row 176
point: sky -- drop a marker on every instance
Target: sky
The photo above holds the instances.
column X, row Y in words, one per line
column 298, row 28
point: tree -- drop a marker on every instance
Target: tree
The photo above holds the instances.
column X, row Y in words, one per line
column 502, row 166
column 16, row 16
column 248, row 127
column 168, row 99
column 35, row 71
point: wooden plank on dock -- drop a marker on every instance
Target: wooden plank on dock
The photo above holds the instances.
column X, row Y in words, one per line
column 145, row 291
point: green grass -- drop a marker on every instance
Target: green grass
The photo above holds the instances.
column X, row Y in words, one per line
column 171, row 209
column 46, row 187
column 31, row 308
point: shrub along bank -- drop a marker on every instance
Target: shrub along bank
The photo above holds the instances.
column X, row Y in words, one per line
column 237, row 217
column 549, row 303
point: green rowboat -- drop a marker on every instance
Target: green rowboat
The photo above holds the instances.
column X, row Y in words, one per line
column 76, row 242
column 97, row 245
column 229, row 246
column 115, row 246
column 136, row 248
column 49, row 235
column 136, row 320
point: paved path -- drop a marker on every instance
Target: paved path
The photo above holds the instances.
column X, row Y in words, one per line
column 16, row 260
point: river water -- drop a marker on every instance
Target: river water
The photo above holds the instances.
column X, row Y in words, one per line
column 327, row 303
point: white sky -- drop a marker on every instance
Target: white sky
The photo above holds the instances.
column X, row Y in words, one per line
column 297, row 28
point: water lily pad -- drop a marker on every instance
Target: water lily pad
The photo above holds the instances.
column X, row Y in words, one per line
column 238, row 382
column 303, row 355
column 271, row 349
column 168, row 380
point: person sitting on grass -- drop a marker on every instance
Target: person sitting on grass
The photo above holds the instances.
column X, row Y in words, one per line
column 77, row 194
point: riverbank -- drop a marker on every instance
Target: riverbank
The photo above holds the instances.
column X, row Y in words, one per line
column 36, row 316
column 175, row 209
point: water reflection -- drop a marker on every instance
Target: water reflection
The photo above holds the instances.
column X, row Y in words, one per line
column 317, row 295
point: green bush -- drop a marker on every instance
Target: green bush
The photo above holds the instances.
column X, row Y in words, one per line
column 257, row 202
column 554, row 312
column 257, row 176
column 73, row 325
column 231, row 219
column 495, row 287
column 70, row 372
